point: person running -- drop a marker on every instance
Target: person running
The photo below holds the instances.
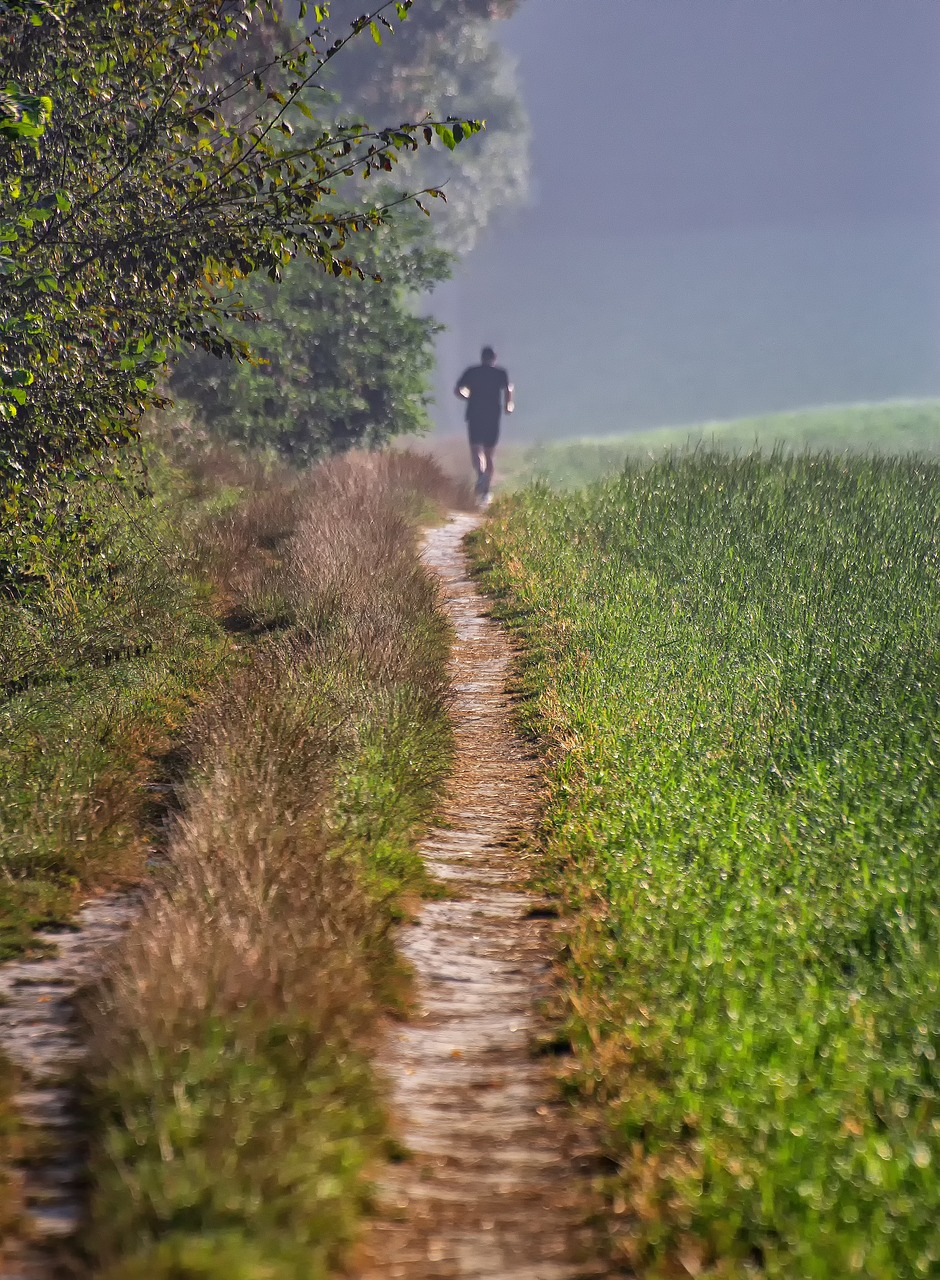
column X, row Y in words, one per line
column 488, row 392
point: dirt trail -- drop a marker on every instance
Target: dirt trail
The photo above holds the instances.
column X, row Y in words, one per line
column 38, row 1034
column 495, row 1187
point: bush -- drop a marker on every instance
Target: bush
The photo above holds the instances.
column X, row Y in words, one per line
column 337, row 363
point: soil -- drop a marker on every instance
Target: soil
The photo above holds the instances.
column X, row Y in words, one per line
column 38, row 1033
column 496, row 1182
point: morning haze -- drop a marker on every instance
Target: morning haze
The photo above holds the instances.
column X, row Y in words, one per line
column 735, row 210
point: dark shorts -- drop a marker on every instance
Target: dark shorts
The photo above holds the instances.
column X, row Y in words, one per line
column 484, row 433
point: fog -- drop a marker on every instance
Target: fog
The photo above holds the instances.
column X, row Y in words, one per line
column 736, row 209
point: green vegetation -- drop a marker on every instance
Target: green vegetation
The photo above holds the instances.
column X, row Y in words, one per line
column 447, row 57
column 345, row 362
column 230, row 1102
column 143, row 178
column 107, row 645
column 98, row 670
column 893, row 428
column 733, row 662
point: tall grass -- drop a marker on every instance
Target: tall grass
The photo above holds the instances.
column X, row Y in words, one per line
column 104, row 646
column 735, row 661
column 892, row 428
column 230, row 1097
column 102, row 654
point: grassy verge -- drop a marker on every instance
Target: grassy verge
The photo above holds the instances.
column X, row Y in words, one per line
column 106, row 646
column 885, row 428
column 230, row 1101
column 734, row 665
column 100, row 665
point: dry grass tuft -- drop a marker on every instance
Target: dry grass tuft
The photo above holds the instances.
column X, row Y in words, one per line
column 242, row 1000
column 253, row 913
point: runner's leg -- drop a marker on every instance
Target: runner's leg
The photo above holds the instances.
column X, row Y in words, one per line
column 487, row 468
column 478, row 457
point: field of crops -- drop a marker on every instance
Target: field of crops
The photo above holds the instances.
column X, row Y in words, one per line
column 897, row 427
column 735, row 663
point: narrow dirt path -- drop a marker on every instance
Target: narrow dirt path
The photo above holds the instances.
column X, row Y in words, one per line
column 494, row 1186
column 38, row 1033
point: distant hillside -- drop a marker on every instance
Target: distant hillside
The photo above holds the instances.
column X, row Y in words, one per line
column 898, row 427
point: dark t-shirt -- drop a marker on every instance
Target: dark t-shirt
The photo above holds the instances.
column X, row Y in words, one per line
column 487, row 385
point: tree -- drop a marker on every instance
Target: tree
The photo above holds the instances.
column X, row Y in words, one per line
column 446, row 60
column 138, row 190
column 344, row 362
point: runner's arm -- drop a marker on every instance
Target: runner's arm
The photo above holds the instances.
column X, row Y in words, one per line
column 510, row 401
column 462, row 391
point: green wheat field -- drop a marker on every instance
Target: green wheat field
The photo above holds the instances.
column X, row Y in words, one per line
column 893, row 427
column 735, row 663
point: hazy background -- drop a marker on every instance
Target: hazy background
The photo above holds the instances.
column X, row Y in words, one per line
column 736, row 209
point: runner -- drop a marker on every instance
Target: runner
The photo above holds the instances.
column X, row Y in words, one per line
column 487, row 391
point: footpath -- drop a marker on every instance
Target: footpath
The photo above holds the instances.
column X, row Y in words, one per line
column 494, row 1183
column 493, row 1186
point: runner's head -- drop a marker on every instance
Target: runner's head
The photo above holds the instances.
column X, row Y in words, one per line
column 488, row 355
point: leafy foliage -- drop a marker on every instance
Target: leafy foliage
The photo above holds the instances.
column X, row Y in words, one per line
column 736, row 660
column 139, row 193
column 346, row 362
column 343, row 362
column 447, row 60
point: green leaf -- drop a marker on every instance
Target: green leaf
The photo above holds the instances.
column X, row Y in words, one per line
column 446, row 135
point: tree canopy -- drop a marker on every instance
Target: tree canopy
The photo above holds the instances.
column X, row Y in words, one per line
column 447, row 59
column 140, row 185
column 342, row 362
column 335, row 363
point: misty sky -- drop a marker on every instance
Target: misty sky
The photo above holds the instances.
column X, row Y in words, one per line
column 736, row 210
column 657, row 115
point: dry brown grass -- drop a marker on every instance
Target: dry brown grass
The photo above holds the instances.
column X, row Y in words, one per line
column 253, row 912
column 252, row 907
column 265, row 915
column 298, row 544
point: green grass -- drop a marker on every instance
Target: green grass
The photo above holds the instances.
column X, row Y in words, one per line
column 191, row 1190
column 107, row 643
column 73, row 757
column 734, row 666
column 893, row 428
